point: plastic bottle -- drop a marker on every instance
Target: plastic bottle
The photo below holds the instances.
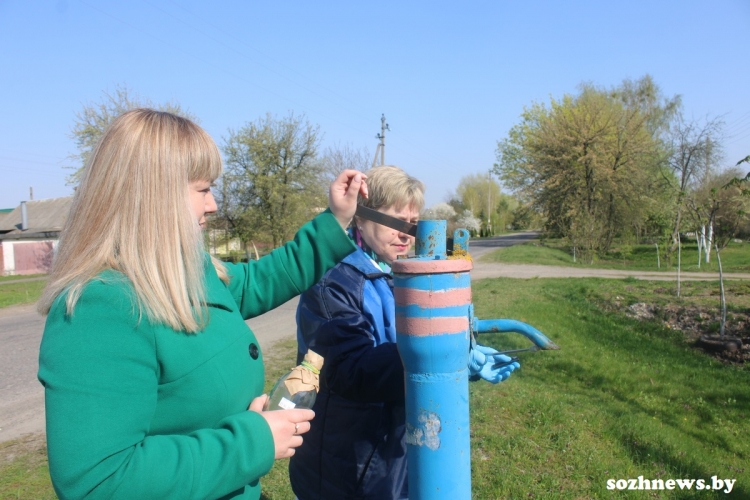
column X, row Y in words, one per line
column 299, row 387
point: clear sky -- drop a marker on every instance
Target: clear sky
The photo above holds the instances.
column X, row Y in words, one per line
column 451, row 77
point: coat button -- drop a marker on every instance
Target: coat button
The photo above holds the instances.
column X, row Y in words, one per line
column 253, row 351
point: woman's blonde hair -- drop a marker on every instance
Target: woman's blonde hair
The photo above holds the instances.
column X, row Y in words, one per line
column 131, row 213
column 388, row 186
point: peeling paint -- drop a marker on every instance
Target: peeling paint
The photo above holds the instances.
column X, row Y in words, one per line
column 426, row 434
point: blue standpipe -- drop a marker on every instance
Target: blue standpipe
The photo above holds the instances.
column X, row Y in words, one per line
column 435, row 325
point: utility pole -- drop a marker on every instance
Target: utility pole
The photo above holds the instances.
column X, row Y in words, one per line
column 381, row 145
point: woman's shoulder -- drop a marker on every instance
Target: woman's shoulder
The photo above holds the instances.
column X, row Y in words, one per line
column 110, row 289
column 109, row 283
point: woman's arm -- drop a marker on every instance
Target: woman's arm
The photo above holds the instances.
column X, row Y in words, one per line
column 289, row 270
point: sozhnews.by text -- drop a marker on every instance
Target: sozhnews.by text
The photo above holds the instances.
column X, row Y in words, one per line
column 641, row 483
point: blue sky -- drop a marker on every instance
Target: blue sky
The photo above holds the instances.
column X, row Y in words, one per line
column 451, row 77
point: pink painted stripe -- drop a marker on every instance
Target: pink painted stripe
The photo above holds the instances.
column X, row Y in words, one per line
column 423, row 327
column 432, row 299
column 442, row 266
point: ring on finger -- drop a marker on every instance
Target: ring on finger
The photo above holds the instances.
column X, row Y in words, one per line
column 296, row 428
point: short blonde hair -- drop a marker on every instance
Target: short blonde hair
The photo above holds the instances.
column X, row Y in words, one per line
column 389, row 186
column 131, row 213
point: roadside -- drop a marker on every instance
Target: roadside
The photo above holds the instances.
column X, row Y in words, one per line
column 22, row 397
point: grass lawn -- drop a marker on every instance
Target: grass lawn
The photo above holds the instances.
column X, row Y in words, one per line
column 734, row 258
column 25, row 292
column 622, row 398
column 16, row 277
column 23, row 469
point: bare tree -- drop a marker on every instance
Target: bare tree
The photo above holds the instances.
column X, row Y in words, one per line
column 695, row 153
column 94, row 118
column 337, row 158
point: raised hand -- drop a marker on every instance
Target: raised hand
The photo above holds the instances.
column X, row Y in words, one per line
column 342, row 196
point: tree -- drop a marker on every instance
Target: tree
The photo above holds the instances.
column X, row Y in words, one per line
column 476, row 190
column 482, row 196
column 94, row 118
column 440, row 211
column 721, row 206
column 694, row 156
column 590, row 163
column 274, row 181
column 337, row 158
column 506, row 212
column 469, row 222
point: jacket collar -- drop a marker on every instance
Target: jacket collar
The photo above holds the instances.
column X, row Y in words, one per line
column 217, row 293
column 360, row 261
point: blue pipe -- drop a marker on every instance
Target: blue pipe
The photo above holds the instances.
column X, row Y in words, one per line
column 433, row 300
column 510, row 325
column 435, row 325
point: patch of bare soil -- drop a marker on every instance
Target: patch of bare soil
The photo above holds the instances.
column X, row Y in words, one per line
column 26, row 444
column 701, row 328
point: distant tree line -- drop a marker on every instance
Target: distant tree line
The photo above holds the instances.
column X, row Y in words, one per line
column 622, row 163
column 594, row 167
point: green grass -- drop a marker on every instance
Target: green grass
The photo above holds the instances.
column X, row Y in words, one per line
column 734, row 258
column 275, row 485
column 25, row 292
column 23, row 469
column 621, row 399
column 16, row 277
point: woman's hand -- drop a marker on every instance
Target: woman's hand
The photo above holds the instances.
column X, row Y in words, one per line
column 342, row 196
column 286, row 426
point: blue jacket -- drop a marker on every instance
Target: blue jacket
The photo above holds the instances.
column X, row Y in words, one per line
column 355, row 448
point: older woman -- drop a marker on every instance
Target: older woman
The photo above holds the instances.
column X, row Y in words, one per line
column 356, row 445
column 146, row 360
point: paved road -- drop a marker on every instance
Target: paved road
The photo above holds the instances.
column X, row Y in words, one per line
column 21, row 394
column 22, row 397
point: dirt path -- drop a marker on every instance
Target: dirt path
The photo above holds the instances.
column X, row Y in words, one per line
column 496, row 270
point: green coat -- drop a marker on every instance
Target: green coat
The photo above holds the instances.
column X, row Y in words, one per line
column 137, row 410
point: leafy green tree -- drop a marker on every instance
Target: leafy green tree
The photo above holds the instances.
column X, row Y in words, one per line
column 94, row 118
column 273, row 181
column 477, row 192
column 482, row 195
column 590, row 163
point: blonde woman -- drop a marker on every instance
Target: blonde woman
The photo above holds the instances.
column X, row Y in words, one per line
column 152, row 379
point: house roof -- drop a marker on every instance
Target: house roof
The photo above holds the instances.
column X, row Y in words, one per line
column 4, row 213
column 43, row 217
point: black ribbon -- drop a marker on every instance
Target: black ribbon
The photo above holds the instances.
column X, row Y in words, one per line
column 386, row 220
